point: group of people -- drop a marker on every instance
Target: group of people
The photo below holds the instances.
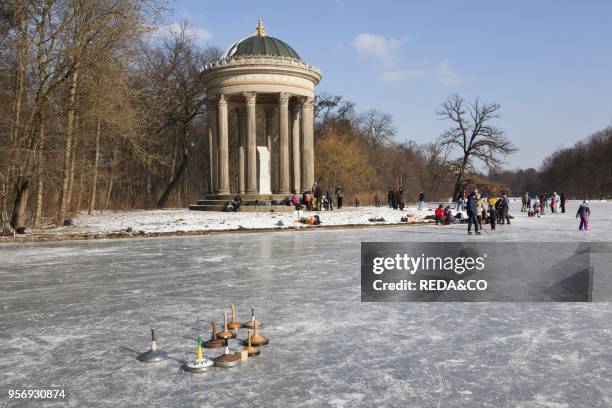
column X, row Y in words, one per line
column 498, row 209
column 444, row 215
column 316, row 199
column 556, row 203
column 395, row 198
column 481, row 210
column 536, row 206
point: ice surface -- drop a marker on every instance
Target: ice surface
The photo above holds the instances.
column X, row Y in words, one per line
column 75, row 314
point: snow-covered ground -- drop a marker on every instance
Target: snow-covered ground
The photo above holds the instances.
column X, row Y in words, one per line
column 171, row 220
column 166, row 222
column 184, row 220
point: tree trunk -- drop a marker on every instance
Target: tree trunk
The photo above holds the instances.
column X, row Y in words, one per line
column 24, row 174
column 459, row 182
column 112, row 178
column 94, row 176
column 41, row 182
column 71, row 177
column 108, row 194
column 21, row 202
column 79, row 195
column 14, row 130
column 163, row 201
column 39, row 201
column 67, row 149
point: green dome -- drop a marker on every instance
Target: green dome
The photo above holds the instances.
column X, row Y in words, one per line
column 261, row 44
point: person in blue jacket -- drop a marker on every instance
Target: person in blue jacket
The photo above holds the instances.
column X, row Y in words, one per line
column 471, row 214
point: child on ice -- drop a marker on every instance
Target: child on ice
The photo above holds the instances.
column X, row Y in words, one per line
column 492, row 215
column 584, row 213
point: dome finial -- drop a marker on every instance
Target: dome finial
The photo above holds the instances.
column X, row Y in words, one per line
column 260, row 31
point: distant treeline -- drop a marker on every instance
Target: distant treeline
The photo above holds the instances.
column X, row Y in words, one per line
column 582, row 171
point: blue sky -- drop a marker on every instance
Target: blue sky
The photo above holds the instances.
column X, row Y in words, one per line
column 548, row 63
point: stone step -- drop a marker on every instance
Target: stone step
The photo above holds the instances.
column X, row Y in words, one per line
column 244, row 208
column 216, row 202
column 247, row 197
column 199, row 207
column 212, row 202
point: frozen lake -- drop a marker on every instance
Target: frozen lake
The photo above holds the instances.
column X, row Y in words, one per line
column 73, row 315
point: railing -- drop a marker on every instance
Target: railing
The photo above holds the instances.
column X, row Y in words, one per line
column 259, row 60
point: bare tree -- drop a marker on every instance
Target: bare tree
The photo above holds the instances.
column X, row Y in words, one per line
column 473, row 135
column 331, row 112
column 437, row 169
column 377, row 127
column 175, row 66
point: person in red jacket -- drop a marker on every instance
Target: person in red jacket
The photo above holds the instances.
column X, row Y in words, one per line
column 439, row 214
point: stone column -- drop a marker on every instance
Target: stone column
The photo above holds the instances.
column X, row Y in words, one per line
column 295, row 141
column 271, row 139
column 212, row 144
column 251, row 136
column 283, row 109
column 308, row 143
column 223, row 147
column 242, row 143
column 269, row 113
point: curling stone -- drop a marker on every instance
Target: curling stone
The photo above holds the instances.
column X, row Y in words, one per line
column 227, row 359
column 215, row 341
column 200, row 364
column 256, row 340
column 251, row 351
column 233, row 324
column 226, row 333
column 253, row 322
column 153, row 355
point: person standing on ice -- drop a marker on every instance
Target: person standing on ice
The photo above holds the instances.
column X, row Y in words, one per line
column 460, row 203
column 479, row 208
column 421, row 200
column 542, row 203
column 525, row 200
column 340, row 195
column 552, row 204
column 563, row 199
column 330, row 198
column 318, row 193
column 395, row 199
column 504, row 208
column 492, row 215
column 557, row 202
column 471, row 213
column 390, row 197
column 584, row 212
